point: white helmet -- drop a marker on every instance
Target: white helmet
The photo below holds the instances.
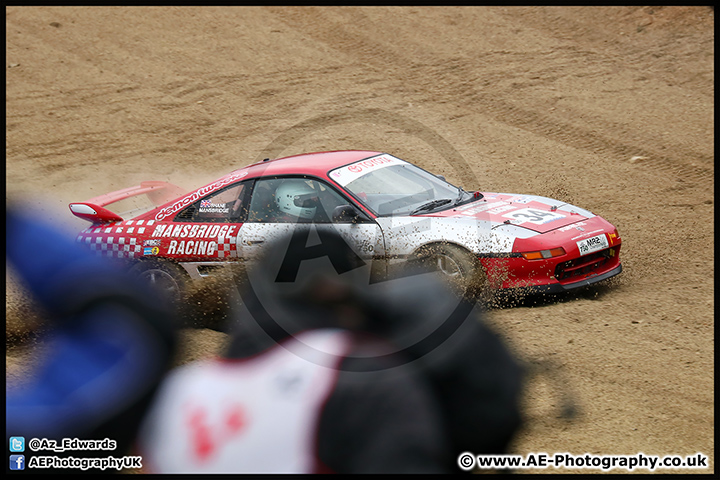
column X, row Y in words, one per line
column 286, row 194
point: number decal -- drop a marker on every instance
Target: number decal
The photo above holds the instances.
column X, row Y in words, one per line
column 533, row 215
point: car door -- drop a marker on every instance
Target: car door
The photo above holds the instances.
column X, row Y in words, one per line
column 278, row 205
column 202, row 238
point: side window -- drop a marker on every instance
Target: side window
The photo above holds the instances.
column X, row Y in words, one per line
column 227, row 205
column 290, row 200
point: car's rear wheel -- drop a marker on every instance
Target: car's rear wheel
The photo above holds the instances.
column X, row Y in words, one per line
column 196, row 307
column 165, row 277
column 457, row 265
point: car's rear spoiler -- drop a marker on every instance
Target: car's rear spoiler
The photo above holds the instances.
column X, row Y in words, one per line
column 92, row 210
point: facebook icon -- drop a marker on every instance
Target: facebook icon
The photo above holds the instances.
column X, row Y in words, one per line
column 17, row 462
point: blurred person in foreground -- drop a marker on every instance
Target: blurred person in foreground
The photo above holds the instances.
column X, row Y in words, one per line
column 109, row 341
column 327, row 372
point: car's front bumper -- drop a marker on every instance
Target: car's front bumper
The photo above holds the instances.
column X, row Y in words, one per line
column 552, row 275
column 559, row 287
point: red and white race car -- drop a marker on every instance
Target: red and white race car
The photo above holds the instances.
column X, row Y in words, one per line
column 387, row 209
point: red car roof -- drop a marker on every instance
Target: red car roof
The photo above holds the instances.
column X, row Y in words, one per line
column 317, row 164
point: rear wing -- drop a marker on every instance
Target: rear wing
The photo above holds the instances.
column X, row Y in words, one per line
column 92, row 210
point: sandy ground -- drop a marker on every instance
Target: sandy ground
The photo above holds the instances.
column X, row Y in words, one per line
column 607, row 107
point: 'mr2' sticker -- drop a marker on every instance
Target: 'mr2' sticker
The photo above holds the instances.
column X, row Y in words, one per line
column 533, row 215
column 592, row 244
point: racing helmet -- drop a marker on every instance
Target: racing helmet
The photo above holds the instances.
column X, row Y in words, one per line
column 290, row 191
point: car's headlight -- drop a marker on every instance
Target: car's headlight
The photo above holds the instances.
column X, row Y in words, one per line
column 541, row 254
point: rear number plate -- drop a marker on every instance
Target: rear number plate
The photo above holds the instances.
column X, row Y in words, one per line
column 592, row 244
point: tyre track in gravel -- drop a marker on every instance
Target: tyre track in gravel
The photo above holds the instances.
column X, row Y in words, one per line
column 459, row 84
column 657, row 54
column 112, row 137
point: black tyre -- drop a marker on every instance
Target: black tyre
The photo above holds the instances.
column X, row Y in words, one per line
column 167, row 278
column 196, row 307
column 457, row 265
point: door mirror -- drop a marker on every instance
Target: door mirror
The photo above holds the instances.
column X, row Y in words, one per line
column 345, row 214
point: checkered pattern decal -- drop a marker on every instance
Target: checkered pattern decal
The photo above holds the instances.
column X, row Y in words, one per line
column 227, row 247
column 114, row 247
column 110, row 241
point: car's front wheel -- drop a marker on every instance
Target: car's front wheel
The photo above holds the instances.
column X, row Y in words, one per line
column 457, row 265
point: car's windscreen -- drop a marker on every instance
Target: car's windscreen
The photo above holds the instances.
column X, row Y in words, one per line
column 390, row 186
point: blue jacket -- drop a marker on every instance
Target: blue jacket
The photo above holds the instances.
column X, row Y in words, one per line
column 109, row 342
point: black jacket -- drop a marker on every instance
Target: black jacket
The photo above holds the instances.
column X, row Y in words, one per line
column 436, row 381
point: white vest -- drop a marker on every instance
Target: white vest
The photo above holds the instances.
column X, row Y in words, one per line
column 255, row 415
